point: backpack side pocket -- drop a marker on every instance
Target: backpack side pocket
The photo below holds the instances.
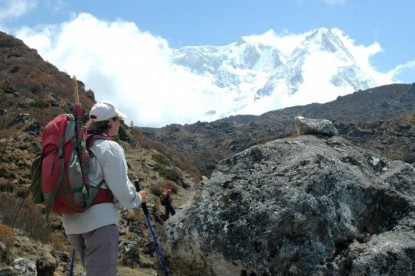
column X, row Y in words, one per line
column 36, row 187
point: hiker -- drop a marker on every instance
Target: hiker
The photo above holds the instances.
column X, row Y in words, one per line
column 94, row 232
column 166, row 200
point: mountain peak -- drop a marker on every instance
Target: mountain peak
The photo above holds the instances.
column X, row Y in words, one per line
column 259, row 73
column 327, row 40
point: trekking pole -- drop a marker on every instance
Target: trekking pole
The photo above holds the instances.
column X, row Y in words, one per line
column 72, row 263
column 20, row 208
column 75, row 90
column 145, row 209
column 78, row 114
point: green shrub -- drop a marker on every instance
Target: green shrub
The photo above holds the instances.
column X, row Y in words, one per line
column 160, row 159
column 163, row 167
column 168, row 173
column 158, row 188
column 40, row 103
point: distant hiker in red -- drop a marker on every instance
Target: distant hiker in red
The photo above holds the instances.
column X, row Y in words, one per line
column 166, row 200
column 94, row 232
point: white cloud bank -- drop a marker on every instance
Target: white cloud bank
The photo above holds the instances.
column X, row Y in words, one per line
column 126, row 66
column 131, row 68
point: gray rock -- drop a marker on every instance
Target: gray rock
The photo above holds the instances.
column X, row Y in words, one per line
column 6, row 272
column 34, row 128
column 46, row 264
column 129, row 253
column 24, row 267
column 302, row 206
column 314, row 126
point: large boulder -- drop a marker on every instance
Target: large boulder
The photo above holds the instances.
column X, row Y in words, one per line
column 298, row 206
column 314, row 126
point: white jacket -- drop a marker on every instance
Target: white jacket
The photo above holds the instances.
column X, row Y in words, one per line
column 109, row 164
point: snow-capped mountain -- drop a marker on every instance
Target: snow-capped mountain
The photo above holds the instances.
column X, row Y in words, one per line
column 265, row 71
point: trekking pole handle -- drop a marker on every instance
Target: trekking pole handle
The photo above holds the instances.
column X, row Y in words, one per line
column 138, row 188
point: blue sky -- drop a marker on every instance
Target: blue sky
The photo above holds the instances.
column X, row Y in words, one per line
column 386, row 26
column 220, row 22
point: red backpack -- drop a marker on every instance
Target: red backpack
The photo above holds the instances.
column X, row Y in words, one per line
column 58, row 173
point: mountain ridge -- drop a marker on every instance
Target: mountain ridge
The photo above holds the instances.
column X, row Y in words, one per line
column 206, row 143
column 255, row 72
column 33, row 91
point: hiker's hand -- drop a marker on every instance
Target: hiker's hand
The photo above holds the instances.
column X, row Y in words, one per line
column 143, row 195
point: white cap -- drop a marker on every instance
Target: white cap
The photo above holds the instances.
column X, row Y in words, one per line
column 102, row 111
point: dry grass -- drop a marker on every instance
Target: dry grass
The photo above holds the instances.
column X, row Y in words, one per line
column 158, row 188
column 7, row 238
column 34, row 87
column 178, row 160
column 29, row 219
column 126, row 271
column 5, row 184
column 6, row 235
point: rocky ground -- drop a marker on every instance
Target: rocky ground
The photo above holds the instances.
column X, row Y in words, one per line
column 315, row 204
column 137, row 256
column 26, row 245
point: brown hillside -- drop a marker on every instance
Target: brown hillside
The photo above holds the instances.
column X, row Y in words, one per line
column 31, row 86
column 371, row 110
column 32, row 92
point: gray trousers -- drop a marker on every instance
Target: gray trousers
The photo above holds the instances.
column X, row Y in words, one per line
column 98, row 250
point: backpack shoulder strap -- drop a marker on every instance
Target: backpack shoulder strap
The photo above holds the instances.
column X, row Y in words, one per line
column 98, row 195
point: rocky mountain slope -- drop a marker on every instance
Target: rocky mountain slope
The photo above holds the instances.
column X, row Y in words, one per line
column 308, row 205
column 32, row 92
column 380, row 118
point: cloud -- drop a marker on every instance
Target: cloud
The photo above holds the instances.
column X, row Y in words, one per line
column 132, row 69
column 363, row 54
column 410, row 65
column 404, row 71
column 56, row 5
column 318, row 81
column 129, row 67
column 316, row 85
column 15, row 8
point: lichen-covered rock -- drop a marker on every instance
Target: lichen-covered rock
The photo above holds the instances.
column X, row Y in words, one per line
column 302, row 206
column 305, row 126
column 24, row 267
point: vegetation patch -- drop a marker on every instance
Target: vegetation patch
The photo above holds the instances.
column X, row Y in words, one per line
column 158, row 188
column 163, row 167
column 6, row 241
column 41, row 103
column 30, row 217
